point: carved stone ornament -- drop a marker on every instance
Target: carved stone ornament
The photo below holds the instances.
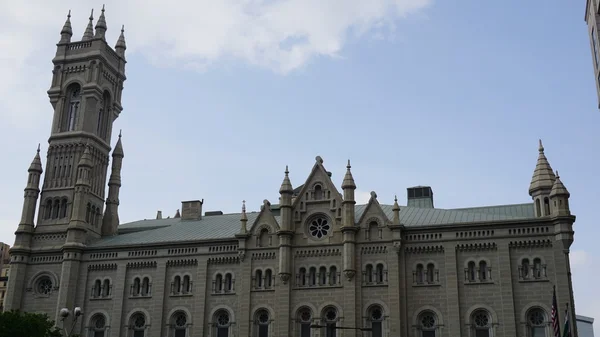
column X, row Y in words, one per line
column 398, row 246
column 349, row 274
column 241, row 255
column 285, row 277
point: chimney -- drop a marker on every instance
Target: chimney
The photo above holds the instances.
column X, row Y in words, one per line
column 159, row 215
column 420, row 196
column 191, row 210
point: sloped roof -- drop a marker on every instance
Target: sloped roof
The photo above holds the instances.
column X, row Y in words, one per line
column 227, row 225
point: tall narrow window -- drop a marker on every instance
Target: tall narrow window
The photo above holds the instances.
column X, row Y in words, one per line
column 481, row 323
column 97, row 288
column 536, row 322
column 312, row 276
column 305, row 319
column 219, row 283
column 427, row 323
column 55, row 209
column 138, row 325
column 146, row 287
column 106, row 288
column 73, row 101
column 263, row 238
column 419, row 273
column 177, row 285
column 538, row 208
column 262, row 323
column 318, row 192
column 268, row 279
column 471, row 271
column 63, row 208
column 302, row 277
column 333, row 275
column 376, row 318
column 430, row 273
column 379, row 273
column 179, row 324
column 48, row 210
column 482, row 271
column 222, row 323
column 322, row 276
column 373, row 231
column 525, row 268
column 546, row 206
column 259, row 279
column 136, row 286
column 330, row 320
column 98, row 326
column 369, row 273
column 537, row 268
column 88, row 212
column 187, row 287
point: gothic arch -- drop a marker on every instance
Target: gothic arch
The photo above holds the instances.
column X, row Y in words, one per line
column 72, row 81
column 372, row 219
column 310, row 306
column 534, row 305
column 266, row 307
column 367, row 306
column 139, row 310
column 222, row 307
column 438, row 314
column 476, row 307
column 97, row 312
column 189, row 317
column 327, row 304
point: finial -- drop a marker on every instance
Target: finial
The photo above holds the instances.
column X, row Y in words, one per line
column 122, row 28
column 395, row 198
column 243, row 206
column 557, row 176
column 103, row 7
column 319, row 159
column 120, row 133
column 69, row 15
column 287, row 172
column 373, row 195
column 348, row 166
column 38, row 149
column 541, row 147
column 89, row 30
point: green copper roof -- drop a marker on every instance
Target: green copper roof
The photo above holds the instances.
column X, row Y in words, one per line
column 227, row 225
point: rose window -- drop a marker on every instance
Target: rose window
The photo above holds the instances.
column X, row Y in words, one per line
column 427, row 321
column 305, row 316
column 331, row 314
column 376, row 314
column 44, row 286
column 481, row 319
column 536, row 317
column 319, row 228
column 263, row 317
column 100, row 322
column 180, row 320
column 223, row 319
column 139, row 322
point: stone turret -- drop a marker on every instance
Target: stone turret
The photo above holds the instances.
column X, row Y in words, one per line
column 121, row 46
column 286, row 233
column 541, row 184
column 110, row 221
column 349, row 228
column 559, row 197
column 101, row 25
column 67, row 32
column 88, row 34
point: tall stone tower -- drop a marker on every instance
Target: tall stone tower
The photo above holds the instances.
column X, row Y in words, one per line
column 85, row 94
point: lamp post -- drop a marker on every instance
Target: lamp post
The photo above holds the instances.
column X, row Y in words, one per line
column 64, row 313
column 317, row 326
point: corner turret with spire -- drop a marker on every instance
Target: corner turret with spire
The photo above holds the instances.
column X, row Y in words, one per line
column 541, row 184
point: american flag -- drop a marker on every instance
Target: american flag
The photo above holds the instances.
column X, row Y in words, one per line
column 555, row 323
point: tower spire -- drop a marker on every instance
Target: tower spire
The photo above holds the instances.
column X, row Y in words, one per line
column 543, row 177
column 244, row 219
column 348, row 179
column 101, row 25
column 121, row 46
column 67, row 31
column 396, row 210
column 110, row 221
column 286, row 185
column 89, row 30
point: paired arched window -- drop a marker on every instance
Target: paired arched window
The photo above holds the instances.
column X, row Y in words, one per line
column 537, row 323
column 141, row 287
column 55, row 208
column 179, row 324
column 93, row 215
column 478, row 272
column 137, row 325
column 97, row 326
column 481, row 323
column 221, row 323
column 304, row 319
column 533, row 269
column 375, row 274
column 223, row 283
column 72, row 107
column 102, row 289
column 263, row 280
column 323, row 277
column 426, row 274
column 261, row 323
column 376, row 321
column 427, row 324
column 181, row 285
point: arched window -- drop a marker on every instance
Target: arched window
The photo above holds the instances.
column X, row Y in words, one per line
column 228, row 282
column 481, row 323
column 97, row 288
column 471, row 271
column 263, row 238
column 333, row 275
column 106, row 288
column 304, row 320
column 73, row 102
column 187, row 285
column 376, row 320
column 318, row 192
column 88, row 212
column 379, row 273
column 525, row 268
column 312, row 276
column 261, row 320
column 419, row 273
column 219, row 283
column 136, row 286
column 268, row 279
column 222, row 323
column 259, row 279
column 177, row 285
column 369, row 273
column 430, row 273
column 138, row 324
column 427, row 324
column 48, row 210
column 537, row 268
column 55, row 209
column 302, row 277
column 538, row 208
column 63, row 208
column 103, row 115
column 483, row 271
column 536, row 323
column 546, row 206
column 373, row 230
column 322, row 276
column 93, row 216
column 179, row 324
column 146, row 287
column 97, row 326
column 329, row 318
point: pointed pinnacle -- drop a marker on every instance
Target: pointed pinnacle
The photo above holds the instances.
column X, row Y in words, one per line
column 243, row 206
column 38, row 149
column 348, row 166
column 121, row 41
column 89, row 30
column 101, row 24
column 120, row 130
column 541, row 147
column 287, row 172
column 67, row 26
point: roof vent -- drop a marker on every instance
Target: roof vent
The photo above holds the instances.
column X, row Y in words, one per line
column 191, row 210
column 158, row 215
column 420, row 196
column 211, row 213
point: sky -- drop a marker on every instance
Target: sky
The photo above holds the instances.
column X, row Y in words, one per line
column 221, row 95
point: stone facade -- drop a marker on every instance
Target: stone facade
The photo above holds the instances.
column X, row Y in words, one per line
column 592, row 18
column 306, row 266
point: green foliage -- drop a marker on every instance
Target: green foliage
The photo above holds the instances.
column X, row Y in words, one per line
column 24, row 324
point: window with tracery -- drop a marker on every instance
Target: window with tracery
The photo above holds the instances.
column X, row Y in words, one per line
column 536, row 323
column 44, row 285
column 261, row 322
column 481, row 323
column 376, row 320
column 98, row 326
column 427, row 323
column 179, row 324
column 222, row 323
column 137, row 325
column 305, row 320
column 329, row 319
column 72, row 107
column 319, row 227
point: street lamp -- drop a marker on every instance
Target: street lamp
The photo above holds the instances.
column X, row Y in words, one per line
column 317, row 326
column 64, row 313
